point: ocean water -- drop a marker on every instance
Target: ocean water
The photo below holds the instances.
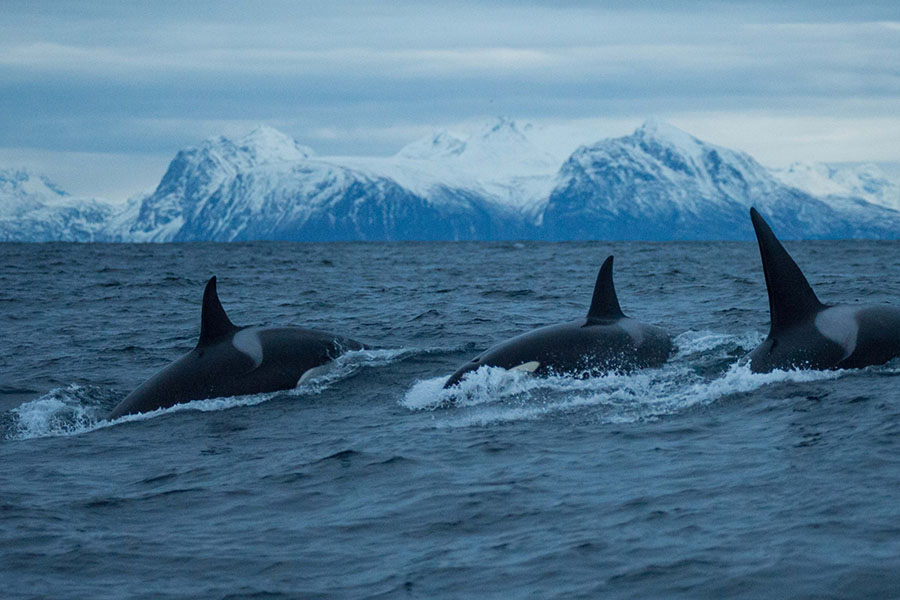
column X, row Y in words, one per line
column 694, row 480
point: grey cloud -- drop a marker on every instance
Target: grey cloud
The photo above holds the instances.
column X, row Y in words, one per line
column 114, row 76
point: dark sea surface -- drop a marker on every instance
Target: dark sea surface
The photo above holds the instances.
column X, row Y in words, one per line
column 695, row 480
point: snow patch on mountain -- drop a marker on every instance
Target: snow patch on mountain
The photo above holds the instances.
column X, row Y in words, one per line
column 858, row 180
column 265, row 145
column 499, row 162
column 34, row 208
column 441, row 144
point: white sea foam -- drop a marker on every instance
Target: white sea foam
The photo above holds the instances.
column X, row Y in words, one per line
column 695, row 342
column 75, row 409
column 62, row 411
column 349, row 363
column 492, row 395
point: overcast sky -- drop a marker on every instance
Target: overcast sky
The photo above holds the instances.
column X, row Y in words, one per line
column 101, row 95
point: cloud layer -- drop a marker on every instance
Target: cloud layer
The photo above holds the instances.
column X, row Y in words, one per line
column 144, row 79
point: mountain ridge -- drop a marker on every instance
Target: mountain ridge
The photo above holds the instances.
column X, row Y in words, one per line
column 656, row 183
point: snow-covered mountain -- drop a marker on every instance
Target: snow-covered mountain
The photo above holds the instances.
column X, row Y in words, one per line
column 499, row 164
column 497, row 182
column 265, row 186
column 660, row 183
column 866, row 181
column 34, row 209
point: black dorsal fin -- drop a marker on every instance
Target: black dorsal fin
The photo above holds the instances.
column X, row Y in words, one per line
column 791, row 299
column 214, row 323
column 605, row 304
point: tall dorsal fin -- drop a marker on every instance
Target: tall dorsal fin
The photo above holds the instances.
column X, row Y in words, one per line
column 214, row 323
column 605, row 304
column 791, row 299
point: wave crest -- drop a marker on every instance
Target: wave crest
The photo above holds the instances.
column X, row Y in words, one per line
column 705, row 368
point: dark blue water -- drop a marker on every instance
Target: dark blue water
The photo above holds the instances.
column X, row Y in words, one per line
column 696, row 480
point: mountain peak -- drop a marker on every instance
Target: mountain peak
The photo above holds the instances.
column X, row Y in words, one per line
column 496, row 134
column 663, row 131
column 264, row 134
column 503, row 128
column 267, row 144
column 23, row 182
column 441, row 143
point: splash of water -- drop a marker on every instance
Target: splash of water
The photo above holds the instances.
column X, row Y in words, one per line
column 62, row 411
column 75, row 409
column 494, row 395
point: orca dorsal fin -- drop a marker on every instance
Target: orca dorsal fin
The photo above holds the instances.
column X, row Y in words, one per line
column 605, row 304
column 214, row 323
column 791, row 299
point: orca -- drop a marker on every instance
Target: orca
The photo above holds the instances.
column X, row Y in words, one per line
column 605, row 341
column 807, row 334
column 233, row 361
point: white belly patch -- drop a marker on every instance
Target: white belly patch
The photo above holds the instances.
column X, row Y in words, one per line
column 529, row 367
column 314, row 372
column 247, row 342
column 839, row 325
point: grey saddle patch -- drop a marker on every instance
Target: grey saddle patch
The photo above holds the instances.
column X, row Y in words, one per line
column 633, row 328
column 247, row 342
column 840, row 325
